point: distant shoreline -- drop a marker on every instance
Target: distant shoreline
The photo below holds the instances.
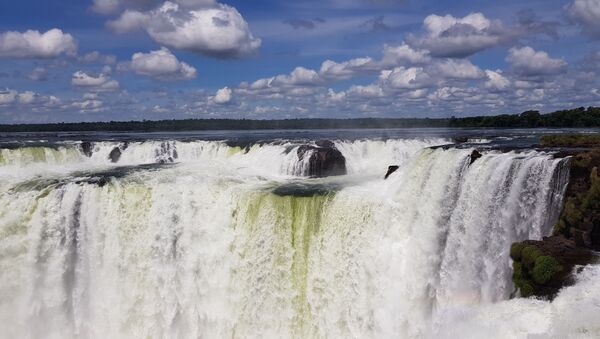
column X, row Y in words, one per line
column 579, row 117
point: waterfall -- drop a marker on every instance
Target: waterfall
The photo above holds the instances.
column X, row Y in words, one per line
column 210, row 247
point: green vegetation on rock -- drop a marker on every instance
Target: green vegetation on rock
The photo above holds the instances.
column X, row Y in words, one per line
column 544, row 269
column 529, row 255
column 515, row 251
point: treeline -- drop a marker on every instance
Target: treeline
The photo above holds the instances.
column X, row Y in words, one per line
column 579, row 117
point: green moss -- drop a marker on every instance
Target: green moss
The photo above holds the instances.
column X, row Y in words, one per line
column 517, row 271
column 529, row 255
column 526, row 288
column 545, row 268
column 515, row 251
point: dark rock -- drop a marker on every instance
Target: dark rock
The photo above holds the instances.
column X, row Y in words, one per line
column 460, row 139
column 324, row 160
column 391, row 169
column 115, row 154
column 474, row 156
column 87, row 148
column 542, row 268
column 325, row 144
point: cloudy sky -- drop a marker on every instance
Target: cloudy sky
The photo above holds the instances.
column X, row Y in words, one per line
column 93, row 60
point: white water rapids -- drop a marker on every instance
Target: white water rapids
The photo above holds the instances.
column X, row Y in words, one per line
column 203, row 248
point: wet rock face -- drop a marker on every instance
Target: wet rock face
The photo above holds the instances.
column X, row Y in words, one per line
column 474, row 156
column 115, row 154
column 325, row 159
column 87, row 148
column 391, row 169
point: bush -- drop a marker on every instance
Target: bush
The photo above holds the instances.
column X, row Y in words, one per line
column 515, row 251
column 528, row 256
column 525, row 288
column 517, row 271
column 545, row 268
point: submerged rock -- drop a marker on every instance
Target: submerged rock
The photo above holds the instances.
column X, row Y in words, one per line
column 325, row 159
column 391, row 169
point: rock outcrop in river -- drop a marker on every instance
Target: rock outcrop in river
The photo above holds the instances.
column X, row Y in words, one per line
column 542, row 268
column 325, row 159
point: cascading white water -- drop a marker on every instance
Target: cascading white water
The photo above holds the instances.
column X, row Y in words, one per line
column 204, row 248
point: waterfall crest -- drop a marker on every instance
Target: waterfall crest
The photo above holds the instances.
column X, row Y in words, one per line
column 209, row 247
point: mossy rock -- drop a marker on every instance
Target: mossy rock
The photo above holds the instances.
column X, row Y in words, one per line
column 545, row 268
column 515, row 251
column 517, row 271
column 528, row 256
column 527, row 290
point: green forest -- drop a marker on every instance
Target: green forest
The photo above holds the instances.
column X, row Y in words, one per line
column 579, row 117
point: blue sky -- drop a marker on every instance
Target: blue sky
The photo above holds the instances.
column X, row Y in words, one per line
column 94, row 60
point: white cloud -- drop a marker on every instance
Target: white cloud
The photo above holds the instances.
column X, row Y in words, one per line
column 528, row 62
column 300, row 76
column 7, row 96
column 448, row 36
column 223, row 96
column 403, row 54
column 26, row 97
column 161, row 65
column 458, row 69
column 405, row 78
column 130, row 21
column 369, row 91
column 218, row 30
column 33, row 44
column 496, row 80
column 585, row 13
column 88, row 105
column 100, row 83
column 345, row 70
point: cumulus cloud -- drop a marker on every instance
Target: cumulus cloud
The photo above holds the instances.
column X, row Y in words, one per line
column 26, row 98
column 100, row 83
column 345, row 70
column 448, row 36
column 7, row 96
column 496, row 81
column 403, row 54
column 585, row 13
column 161, row 65
column 458, row 69
column 217, row 31
column 33, row 44
column 528, row 62
column 223, row 96
column 405, row 78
